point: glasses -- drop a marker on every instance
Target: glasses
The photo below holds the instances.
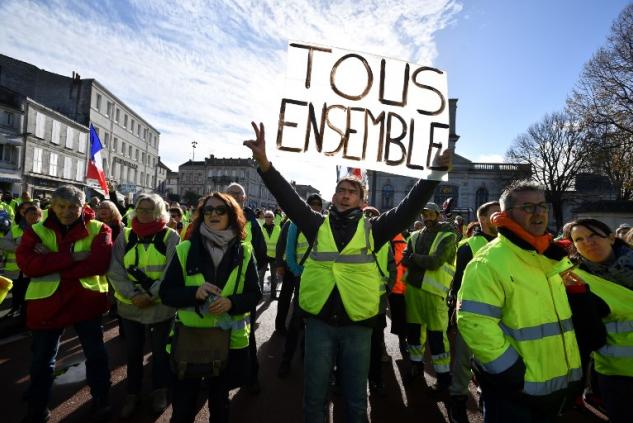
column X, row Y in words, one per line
column 532, row 208
column 219, row 210
column 315, row 205
column 144, row 210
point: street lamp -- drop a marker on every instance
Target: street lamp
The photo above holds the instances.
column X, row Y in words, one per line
column 194, row 144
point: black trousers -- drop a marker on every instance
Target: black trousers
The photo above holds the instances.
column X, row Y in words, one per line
column 288, row 286
column 616, row 392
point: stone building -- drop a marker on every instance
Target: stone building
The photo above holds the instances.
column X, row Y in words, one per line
column 40, row 148
column 131, row 144
column 161, row 176
column 171, row 184
column 11, row 140
column 470, row 185
column 215, row 174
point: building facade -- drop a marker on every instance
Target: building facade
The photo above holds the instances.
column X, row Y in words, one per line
column 161, row 176
column 55, row 151
column 130, row 155
column 215, row 174
column 470, row 185
column 171, row 184
column 11, row 141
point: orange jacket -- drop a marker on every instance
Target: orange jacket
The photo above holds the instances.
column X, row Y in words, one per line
column 398, row 243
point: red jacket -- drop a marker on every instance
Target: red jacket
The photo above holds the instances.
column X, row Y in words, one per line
column 71, row 302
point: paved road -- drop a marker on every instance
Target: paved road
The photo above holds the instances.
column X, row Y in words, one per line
column 279, row 400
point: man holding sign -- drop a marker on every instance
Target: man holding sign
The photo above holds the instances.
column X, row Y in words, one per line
column 341, row 285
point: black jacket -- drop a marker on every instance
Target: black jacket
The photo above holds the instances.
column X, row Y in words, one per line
column 174, row 293
column 384, row 227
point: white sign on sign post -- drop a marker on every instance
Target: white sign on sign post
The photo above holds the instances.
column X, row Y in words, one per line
column 361, row 110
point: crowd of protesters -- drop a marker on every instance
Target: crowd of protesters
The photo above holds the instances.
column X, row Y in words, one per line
column 541, row 322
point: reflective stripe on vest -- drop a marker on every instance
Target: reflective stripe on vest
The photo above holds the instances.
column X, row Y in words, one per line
column 353, row 271
column 616, row 357
column 239, row 323
column 438, row 281
column 529, row 303
column 10, row 263
column 301, row 246
column 45, row 286
column 150, row 260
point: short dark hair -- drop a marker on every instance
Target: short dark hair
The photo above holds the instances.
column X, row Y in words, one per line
column 354, row 181
column 523, row 185
column 484, row 209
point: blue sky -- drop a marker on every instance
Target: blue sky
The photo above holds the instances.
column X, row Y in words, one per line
column 201, row 70
column 510, row 62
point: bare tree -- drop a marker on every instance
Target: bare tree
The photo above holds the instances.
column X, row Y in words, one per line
column 604, row 93
column 603, row 102
column 609, row 152
column 554, row 149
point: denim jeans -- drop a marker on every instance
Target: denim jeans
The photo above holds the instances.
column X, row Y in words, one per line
column 349, row 348
column 44, row 349
column 135, row 342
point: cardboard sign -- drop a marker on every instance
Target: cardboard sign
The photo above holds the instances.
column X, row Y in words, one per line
column 361, row 110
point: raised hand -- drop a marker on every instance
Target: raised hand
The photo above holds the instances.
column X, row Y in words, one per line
column 258, row 147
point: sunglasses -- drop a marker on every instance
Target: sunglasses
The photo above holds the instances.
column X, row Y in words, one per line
column 219, row 210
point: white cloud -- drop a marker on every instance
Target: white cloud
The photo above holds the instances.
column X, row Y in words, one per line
column 199, row 70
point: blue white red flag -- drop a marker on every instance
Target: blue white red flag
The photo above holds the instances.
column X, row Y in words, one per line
column 95, row 170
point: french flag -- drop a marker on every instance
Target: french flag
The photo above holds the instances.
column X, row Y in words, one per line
column 95, row 171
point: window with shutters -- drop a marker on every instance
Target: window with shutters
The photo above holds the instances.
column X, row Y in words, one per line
column 68, row 167
column 40, row 124
column 70, row 134
column 83, row 140
column 37, row 160
column 52, row 164
column 81, row 170
column 56, row 132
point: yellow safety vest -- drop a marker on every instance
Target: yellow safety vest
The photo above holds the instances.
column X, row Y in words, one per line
column 10, row 263
column 239, row 324
column 475, row 243
column 353, row 271
column 271, row 240
column 151, row 261
column 438, row 281
column 45, row 286
column 616, row 357
column 513, row 303
column 183, row 231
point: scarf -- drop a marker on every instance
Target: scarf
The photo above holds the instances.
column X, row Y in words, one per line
column 147, row 229
column 540, row 242
column 620, row 270
column 216, row 242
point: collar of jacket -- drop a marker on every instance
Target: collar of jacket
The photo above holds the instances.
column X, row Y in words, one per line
column 554, row 251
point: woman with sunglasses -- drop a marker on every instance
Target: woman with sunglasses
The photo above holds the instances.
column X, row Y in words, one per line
column 605, row 264
column 138, row 260
column 212, row 278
